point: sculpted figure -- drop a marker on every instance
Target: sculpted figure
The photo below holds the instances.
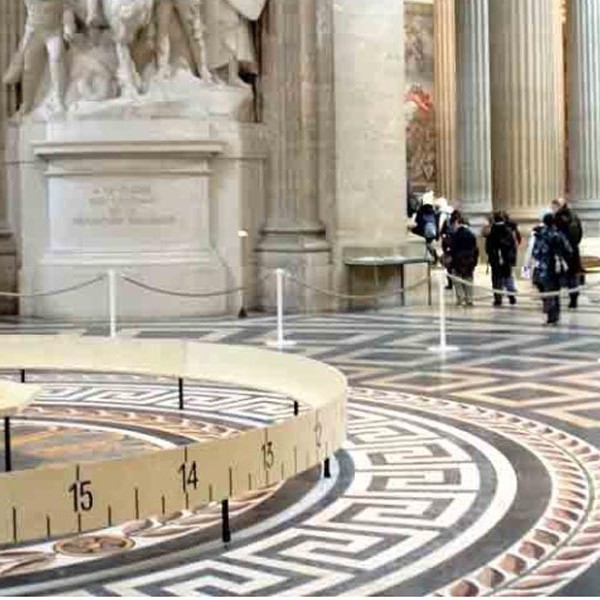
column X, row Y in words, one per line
column 190, row 16
column 47, row 22
column 93, row 67
column 94, row 12
column 231, row 36
column 126, row 19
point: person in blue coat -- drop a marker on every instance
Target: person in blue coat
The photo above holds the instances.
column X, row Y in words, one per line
column 552, row 253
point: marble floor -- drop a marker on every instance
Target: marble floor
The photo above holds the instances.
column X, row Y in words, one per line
column 477, row 473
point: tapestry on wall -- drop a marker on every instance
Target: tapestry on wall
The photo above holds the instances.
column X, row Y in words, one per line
column 419, row 104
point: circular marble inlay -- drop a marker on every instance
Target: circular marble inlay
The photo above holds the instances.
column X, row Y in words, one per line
column 428, row 497
column 93, row 545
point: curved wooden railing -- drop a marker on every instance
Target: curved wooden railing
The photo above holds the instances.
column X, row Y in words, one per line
column 74, row 498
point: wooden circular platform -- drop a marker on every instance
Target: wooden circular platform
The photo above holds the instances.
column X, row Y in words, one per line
column 55, row 501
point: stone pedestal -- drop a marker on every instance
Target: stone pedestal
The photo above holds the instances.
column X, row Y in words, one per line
column 583, row 19
column 161, row 201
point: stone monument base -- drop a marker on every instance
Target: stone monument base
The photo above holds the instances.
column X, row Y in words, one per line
column 161, row 200
column 184, row 273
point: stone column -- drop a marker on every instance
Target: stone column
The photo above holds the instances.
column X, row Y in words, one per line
column 12, row 22
column 294, row 237
column 474, row 129
column 584, row 106
column 527, row 119
column 444, row 31
column 370, row 126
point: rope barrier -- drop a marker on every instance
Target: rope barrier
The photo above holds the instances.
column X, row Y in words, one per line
column 71, row 288
column 492, row 291
column 159, row 290
column 333, row 294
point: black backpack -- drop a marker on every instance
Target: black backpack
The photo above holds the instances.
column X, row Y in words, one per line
column 507, row 246
column 575, row 230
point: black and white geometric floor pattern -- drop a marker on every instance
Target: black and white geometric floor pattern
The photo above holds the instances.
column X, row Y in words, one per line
column 477, row 474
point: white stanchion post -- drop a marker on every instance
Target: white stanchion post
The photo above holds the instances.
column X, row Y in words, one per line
column 112, row 302
column 443, row 347
column 280, row 342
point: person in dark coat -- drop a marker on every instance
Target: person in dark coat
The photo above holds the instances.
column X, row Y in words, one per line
column 501, row 248
column 464, row 256
column 427, row 226
column 446, row 232
column 568, row 223
column 412, row 202
column 552, row 253
column 514, row 227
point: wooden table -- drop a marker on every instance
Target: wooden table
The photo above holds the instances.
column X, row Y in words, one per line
column 14, row 397
column 398, row 262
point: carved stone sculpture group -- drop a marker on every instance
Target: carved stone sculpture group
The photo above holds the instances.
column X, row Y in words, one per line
column 97, row 50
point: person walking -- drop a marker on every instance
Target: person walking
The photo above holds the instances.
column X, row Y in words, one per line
column 501, row 249
column 552, row 253
column 464, row 256
column 568, row 223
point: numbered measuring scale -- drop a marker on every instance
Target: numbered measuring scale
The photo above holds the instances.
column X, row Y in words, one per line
column 95, row 495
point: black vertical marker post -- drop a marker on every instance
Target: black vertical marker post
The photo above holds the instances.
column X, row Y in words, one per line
column 180, row 382
column 7, row 454
column 225, row 516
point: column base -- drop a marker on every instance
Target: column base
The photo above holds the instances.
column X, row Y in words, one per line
column 307, row 258
column 8, row 273
column 476, row 216
column 589, row 213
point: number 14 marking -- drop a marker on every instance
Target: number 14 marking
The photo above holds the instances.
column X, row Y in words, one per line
column 189, row 476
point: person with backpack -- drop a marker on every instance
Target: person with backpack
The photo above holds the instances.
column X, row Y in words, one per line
column 463, row 257
column 448, row 218
column 513, row 226
column 412, row 202
column 427, row 224
column 552, row 253
column 568, row 223
column 501, row 248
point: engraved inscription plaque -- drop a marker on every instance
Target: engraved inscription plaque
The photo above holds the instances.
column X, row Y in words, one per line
column 127, row 213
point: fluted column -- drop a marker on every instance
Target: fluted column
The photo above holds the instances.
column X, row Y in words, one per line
column 474, row 129
column 444, row 30
column 584, row 105
column 12, row 24
column 293, row 235
column 526, row 75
